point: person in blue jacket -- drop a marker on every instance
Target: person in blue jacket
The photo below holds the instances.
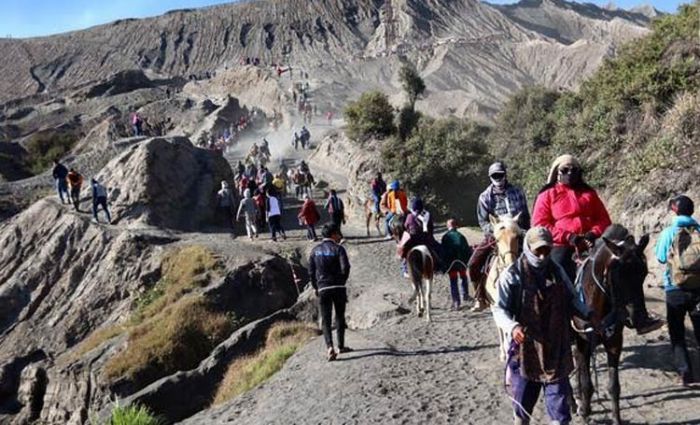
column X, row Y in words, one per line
column 679, row 301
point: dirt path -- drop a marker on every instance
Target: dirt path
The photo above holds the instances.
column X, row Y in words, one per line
column 405, row 371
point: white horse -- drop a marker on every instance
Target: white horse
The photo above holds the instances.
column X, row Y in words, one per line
column 507, row 233
column 422, row 270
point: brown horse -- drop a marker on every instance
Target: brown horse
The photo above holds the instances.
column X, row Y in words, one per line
column 611, row 278
column 422, row 270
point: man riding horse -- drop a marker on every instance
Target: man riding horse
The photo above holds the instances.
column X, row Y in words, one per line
column 500, row 198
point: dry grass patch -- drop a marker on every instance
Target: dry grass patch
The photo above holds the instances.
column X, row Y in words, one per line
column 96, row 339
column 177, row 338
column 246, row 373
column 183, row 271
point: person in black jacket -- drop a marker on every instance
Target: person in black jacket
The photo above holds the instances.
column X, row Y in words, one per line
column 329, row 269
column 60, row 172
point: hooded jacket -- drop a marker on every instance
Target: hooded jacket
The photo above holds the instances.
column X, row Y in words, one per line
column 247, row 207
column 567, row 211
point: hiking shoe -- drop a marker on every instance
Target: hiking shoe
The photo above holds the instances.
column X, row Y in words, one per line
column 331, row 354
column 343, row 350
column 388, row 237
column 405, row 275
column 650, row 324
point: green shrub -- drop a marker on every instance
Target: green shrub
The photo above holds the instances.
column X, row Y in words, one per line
column 43, row 148
column 412, row 83
column 407, row 121
column 133, row 415
column 370, row 116
column 442, row 161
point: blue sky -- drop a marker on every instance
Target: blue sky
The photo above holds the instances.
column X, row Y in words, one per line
column 28, row 18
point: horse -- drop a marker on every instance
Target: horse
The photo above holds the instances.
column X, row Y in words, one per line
column 396, row 225
column 370, row 212
column 422, row 270
column 507, row 234
column 611, row 278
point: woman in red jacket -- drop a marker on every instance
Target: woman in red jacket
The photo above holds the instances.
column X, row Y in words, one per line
column 572, row 211
column 309, row 216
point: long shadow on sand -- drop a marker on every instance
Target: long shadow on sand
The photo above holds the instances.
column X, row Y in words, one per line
column 388, row 352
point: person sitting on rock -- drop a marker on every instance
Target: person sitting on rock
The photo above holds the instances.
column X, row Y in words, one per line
column 99, row 199
column 329, row 269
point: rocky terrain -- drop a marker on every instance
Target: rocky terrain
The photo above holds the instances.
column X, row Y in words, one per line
column 77, row 297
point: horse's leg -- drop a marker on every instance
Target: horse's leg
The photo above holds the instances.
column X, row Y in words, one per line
column 502, row 354
column 419, row 298
column 428, row 285
column 613, row 348
column 368, row 217
column 585, row 386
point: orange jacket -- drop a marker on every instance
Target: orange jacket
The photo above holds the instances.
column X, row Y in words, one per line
column 399, row 196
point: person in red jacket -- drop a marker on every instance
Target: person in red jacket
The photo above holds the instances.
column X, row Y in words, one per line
column 309, row 216
column 572, row 211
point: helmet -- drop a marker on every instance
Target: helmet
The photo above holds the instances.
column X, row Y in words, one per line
column 394, row 185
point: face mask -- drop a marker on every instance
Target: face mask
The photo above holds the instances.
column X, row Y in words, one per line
column 569, row 176
column 499, row 183
column 533, row 259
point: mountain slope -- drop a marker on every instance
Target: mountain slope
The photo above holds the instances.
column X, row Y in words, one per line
column 478, row 51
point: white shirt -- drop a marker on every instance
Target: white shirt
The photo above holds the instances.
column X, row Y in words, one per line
column 274, row 207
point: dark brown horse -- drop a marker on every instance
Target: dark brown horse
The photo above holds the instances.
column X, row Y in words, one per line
column 612, row 277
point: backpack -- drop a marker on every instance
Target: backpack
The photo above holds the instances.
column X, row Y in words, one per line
column 684, row 258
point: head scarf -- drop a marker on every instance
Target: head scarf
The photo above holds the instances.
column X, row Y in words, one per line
column 560, row 162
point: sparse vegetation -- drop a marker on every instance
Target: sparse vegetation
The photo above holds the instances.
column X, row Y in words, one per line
column 440, row 161
column 177, row 338
column 244, row 374
column 370, row 116
column 636, row 115
column 43, row 148
column 172, row 328
column 412, row 83
column 96, row 339
column 133, row 415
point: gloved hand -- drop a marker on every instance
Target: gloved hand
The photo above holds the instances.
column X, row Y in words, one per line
column 591, row 237
column 580, row 243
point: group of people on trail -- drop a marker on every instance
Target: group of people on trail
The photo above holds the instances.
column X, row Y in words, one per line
column 302, row 137
column 68, row 184
column 537, row 297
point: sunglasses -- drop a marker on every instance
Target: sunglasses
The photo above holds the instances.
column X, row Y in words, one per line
column 568, row 170
column 498, row 176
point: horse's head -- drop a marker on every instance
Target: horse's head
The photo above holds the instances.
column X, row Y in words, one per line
column 625, row 265
column 507, row 233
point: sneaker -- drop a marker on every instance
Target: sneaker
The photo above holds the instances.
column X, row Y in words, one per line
column 388, row 237
column 405, row 275
column 331, row 355
column 343, row 350
column 650, row 324
column 478, row 306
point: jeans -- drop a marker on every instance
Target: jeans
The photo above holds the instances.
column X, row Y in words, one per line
column 328, row 300
column 563, row 255
column 389, row 216
column 337, row 219
column 276, row 226
column 100, row 202
column 458, row 271
column 678, row 304
column 75, row 197
column 526, row 393
column 62, row 189
column 376, row 199
column 311, row 232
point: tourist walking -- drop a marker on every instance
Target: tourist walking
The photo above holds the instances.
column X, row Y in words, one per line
column 329, row 269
